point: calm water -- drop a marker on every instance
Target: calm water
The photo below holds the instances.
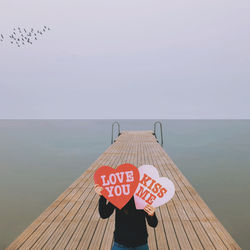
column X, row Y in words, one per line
column 39, row 159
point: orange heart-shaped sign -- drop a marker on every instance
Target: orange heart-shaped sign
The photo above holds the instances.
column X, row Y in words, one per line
column 118, row 184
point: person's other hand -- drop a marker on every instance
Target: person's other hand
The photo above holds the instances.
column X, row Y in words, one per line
column 149, row 209
column 98, row 189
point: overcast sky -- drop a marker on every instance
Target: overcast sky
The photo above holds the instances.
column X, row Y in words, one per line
column 127, row 59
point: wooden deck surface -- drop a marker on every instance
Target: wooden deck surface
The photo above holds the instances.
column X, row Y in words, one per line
column 72, row 221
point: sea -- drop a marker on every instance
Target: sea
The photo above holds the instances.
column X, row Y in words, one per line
column 39, row 159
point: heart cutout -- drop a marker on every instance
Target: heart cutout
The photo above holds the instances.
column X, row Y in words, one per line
column 118, row 184
column 152, row 189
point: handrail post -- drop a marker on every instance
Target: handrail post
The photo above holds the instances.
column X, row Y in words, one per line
column 158, row 122
column 112, row 134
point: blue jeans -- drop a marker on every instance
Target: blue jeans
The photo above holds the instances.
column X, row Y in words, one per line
column 117, row 246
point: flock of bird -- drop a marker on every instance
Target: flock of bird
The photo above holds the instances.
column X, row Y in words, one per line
column 20, row 37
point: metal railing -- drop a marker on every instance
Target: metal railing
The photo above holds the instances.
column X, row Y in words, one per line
column 112, row 134
column 158, row 122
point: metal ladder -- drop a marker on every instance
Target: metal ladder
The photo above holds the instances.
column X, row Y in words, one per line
column 158, row 122
column 119, row 132
column 112, row 134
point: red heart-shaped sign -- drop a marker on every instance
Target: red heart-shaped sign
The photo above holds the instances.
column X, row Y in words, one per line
column 118, row 184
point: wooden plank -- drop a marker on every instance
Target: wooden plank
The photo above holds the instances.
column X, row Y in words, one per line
column 72, row 221
column 151, row 231
column 180, row 230
column 209, row 239
column 90, row 234
column 53, row 226
column 108, row 237
column 215, row 225
column 72, row 235
column 194, row 231
column 214, row 238
column 74, row 216
column 31, row 230
column 160, row 237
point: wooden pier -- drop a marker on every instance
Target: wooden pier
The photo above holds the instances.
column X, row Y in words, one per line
column 72, row 221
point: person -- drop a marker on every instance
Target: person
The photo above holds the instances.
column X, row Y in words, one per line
column 130, row 224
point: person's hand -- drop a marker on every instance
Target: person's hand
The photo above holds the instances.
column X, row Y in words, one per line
column 149, row 209
column 98, row 189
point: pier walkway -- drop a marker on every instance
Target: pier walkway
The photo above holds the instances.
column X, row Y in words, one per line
column 72, row 221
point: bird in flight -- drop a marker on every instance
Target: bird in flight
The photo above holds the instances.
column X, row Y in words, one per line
column 24, row 36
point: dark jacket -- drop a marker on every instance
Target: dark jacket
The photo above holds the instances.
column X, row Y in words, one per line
column 130, row 223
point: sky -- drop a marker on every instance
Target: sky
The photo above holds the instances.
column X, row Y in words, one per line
column 133, row 59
